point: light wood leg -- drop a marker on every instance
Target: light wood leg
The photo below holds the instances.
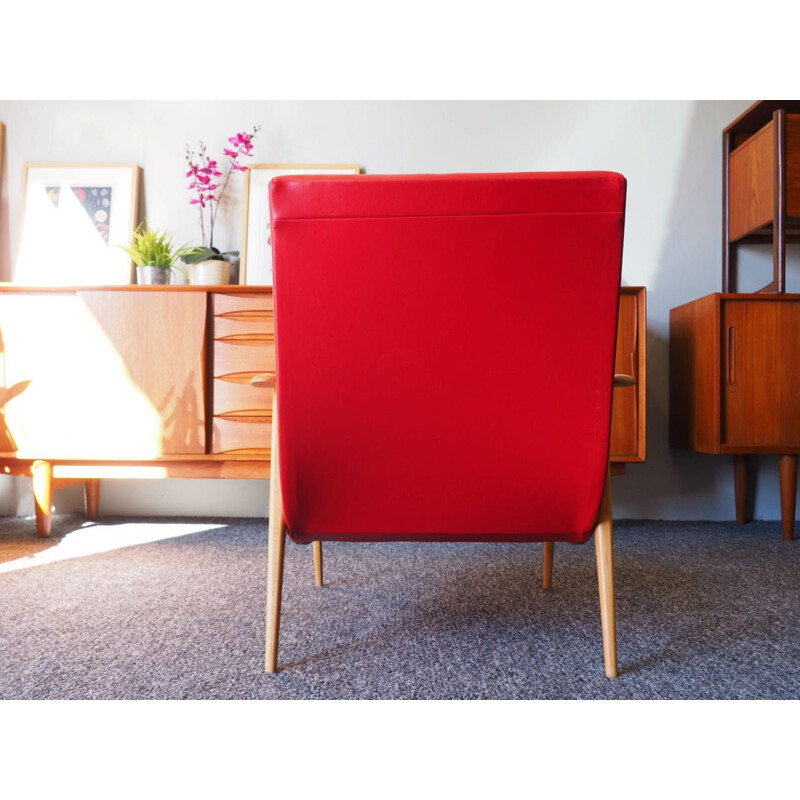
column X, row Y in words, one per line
column 604, row 543
column 547, row 573
column 276, row 546
column 788, row 495
column 740, row 469
column 42, row 474
column 91, row 493
column 317, row 546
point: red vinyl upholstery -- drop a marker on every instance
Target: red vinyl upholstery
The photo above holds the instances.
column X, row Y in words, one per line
column 445, row 351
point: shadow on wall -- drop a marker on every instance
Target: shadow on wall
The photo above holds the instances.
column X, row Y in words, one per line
column 675, row 484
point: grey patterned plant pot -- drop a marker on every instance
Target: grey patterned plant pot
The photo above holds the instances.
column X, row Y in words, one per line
column 149, row 276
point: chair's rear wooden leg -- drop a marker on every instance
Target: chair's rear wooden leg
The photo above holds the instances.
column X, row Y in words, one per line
column 317, row 547
column 604, row 543
column 276, row 548
column 547, row 573
column 277, row 542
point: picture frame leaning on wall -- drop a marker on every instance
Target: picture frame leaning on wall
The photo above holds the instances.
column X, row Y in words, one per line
column 255, row 266
column 75, row 220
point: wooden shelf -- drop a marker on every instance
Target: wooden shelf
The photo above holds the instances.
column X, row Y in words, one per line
column 756, row 117
column 765, row 234
column 761, row 185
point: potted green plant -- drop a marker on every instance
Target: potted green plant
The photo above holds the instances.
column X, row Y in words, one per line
column 155, row 255
column 207, row 187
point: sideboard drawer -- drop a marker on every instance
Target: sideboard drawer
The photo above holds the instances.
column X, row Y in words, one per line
column 256, row 328
column 246, row 304
column 239, row 395
column 247, row 356
column 243, row 435
column 244, row 346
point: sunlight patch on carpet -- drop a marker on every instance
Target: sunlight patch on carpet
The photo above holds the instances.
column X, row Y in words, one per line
column 93, row 538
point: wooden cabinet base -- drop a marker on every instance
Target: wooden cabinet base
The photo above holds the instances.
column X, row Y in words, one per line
column 734, row 385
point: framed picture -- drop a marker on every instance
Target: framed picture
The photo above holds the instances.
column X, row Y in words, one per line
column 75, row 219
column 255, row 267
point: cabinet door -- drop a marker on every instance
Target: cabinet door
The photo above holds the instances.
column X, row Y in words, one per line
column 104, row 374
column 761, row 379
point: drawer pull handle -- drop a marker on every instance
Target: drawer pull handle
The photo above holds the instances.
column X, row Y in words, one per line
column 239, row 377
column 246, row 316
column 250, row 417
column 247, row 338
column 263, row 380
column 731, row 361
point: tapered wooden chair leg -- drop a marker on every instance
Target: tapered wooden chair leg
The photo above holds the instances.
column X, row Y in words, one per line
column 604, row 544
column 317, row 547
column 275, row 553
column 547, row 572
column 276, row 547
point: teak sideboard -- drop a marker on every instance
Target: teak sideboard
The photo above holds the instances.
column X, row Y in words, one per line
column 735, row 383
column 154, row 382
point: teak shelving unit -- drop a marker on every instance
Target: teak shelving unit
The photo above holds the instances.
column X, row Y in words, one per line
column 761, row 186
column 734, row 380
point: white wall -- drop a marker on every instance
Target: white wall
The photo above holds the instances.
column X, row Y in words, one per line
column 669, row 151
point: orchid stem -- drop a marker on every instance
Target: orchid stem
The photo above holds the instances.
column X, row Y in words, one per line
column 222, row 191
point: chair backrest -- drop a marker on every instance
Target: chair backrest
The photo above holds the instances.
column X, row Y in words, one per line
column 445, row 353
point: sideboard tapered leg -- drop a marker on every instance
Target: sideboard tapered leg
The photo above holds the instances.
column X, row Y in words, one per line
column 788, row 495
column 740, row 464
column 91, row 492
column 42, row 474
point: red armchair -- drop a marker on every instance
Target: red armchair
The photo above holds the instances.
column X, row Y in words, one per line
column 445, row 351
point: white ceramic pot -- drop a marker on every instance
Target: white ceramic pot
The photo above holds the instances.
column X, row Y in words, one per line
column 210, row 273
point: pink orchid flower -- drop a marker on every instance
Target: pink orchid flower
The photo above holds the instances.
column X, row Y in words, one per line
column 206, row 193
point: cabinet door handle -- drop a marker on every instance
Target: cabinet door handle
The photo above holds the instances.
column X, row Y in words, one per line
column 731, row 364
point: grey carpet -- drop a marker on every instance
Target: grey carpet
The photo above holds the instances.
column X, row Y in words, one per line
column 705, row 610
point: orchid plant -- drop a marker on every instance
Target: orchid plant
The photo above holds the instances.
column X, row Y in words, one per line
column 207, row 189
